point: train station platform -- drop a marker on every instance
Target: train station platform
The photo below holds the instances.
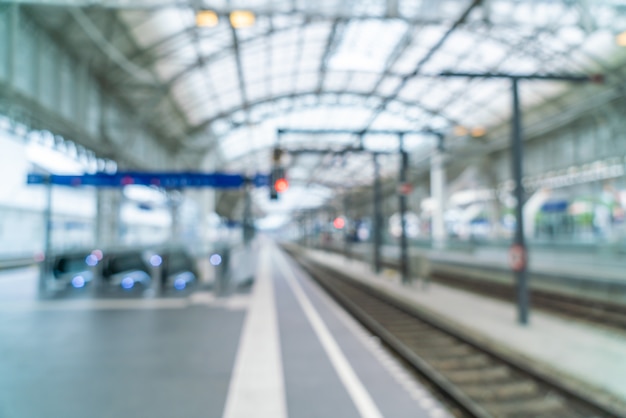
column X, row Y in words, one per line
column 596, row 274
column 279, row 349
column 589, row 358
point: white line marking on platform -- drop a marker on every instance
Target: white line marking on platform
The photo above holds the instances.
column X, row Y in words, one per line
column 375, row 347
column 357, row 391
column 257, row 388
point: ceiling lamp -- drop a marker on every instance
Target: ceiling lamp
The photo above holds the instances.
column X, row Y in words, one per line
column 207, row 19
column 620, row 39
column 242, row 19
column 478, row 132
column 460, row 130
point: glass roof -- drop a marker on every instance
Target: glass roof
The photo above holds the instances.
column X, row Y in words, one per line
column 217, row 74
column 369, row 64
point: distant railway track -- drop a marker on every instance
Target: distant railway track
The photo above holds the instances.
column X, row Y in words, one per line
column 479, row 381
column 610, row 315
column 16, row 263
column 596, row 312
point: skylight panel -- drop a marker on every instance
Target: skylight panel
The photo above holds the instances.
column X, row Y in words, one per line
column 249, row 4
column 213, row 40
column 388, row 85
column 261, row 25
column 520, row 64
column 366, row 45
column 198, row 114
column 381, row 143
column 436, row 97
column 223, row 73
column 168, row 69
column 256, row 91
column 168, row 22
column 281, row 84
column 317, row 31
column 484, row 56
column 336, row 81
column 483, row 90
column 423, row 40
column 190, row 89
column 307, row 82
column 230, row 99
column 388, row 121
column 310, row 62
column 414, row 88
column 362, row 82
column 185, row 54
column 286, row 21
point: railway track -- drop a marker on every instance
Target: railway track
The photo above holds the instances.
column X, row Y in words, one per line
column 596, row 312
column 609, row 315
column 481, row 382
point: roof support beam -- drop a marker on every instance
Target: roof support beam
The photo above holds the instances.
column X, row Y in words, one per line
column 242, row 82
column 203, row 125
column 400, row 48
column 328, row 50
column 392, row 9
column 422, row 62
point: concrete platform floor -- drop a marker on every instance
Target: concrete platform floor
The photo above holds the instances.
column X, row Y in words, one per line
column 283, row 350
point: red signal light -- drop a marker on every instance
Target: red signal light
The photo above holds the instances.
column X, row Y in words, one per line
column 339, row 223
column 281, row 185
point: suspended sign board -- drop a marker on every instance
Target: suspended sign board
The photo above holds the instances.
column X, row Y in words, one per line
column 518, row 257
column 405, row 189
column 164, row 180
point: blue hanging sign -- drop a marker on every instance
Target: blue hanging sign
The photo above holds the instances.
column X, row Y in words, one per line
column 164, row 180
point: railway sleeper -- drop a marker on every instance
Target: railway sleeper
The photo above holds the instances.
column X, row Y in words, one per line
column 460, row 363
column 419, row 337
column 433, row 341
column 412, row 335
column 503, row 390
column 400, row 324
column 438, row 353
column 548, row 406
column 495, row 373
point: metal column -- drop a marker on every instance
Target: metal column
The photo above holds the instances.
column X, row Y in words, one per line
column 108, row 218
column 404, row 250
column 175, row 200
column 12, row 44
column 519, row 253
column 347, row 226
column 521, row 274
column 437, row 192
column 311, row 229
column 46, row 266
column 377, row 224
column 248, row 222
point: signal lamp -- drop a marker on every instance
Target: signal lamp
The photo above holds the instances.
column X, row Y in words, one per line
column 339, row 223
column 281, row 185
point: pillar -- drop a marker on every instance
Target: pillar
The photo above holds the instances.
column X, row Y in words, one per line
column 437, row 192
column 108, row 217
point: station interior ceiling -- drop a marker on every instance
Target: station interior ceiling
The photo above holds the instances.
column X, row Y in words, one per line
column 217, row 79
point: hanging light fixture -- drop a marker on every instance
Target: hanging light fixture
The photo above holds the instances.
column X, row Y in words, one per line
column 242, row 19
column 207, row 19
